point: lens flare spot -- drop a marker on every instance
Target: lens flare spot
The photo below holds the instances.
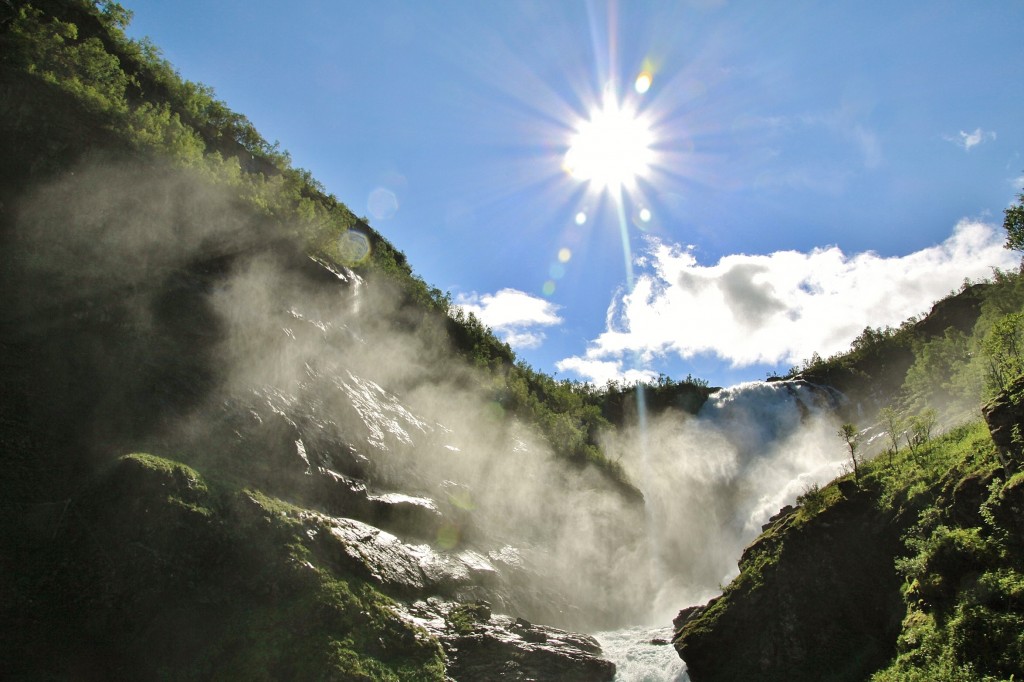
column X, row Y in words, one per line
column 549, row 288
column 643, row 82
column 495, row 411
column 581, row 218
column 645, row 215
column 557, row 271
column 448, row 536
column 462, row 500
column 564, row 255
column 382, row 203
column 353, row 247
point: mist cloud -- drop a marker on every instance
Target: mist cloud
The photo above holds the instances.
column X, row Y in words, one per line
column 783, row 306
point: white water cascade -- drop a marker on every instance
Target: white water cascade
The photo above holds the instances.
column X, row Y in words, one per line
column 710, row 483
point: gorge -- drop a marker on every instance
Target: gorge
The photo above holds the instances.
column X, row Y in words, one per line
column 243, row 441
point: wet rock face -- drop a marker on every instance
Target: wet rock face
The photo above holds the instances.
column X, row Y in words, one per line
column 482, row 646
column 400, row 568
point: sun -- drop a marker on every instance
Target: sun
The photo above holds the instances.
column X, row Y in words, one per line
column 612, row 148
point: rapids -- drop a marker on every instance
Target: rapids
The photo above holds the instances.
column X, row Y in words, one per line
column 643, row 654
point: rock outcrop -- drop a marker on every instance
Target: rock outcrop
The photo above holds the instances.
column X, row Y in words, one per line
column 483, row 646
column 1004, row 415
column 817, row 600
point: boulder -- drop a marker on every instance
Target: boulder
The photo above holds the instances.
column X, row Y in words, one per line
column 481, row 645
column 1004, row 415
column 400, row 568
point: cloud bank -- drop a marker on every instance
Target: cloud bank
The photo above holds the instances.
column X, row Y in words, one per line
column 516, row 316
column 779, row 307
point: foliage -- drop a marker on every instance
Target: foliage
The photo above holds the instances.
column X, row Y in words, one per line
column 951, row 361
column 848, row 434
column 956, row 372
column 1013, row 223
column 815, row 499
column 919, row 428
column 873, row 347
column 1002, row 347
column 942, row 368
column 894, row 424
column 964, row 587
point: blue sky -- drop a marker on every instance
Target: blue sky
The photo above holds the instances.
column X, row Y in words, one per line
column 812, row 167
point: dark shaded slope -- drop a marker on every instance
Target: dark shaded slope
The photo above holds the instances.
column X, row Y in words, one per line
column 816, row 600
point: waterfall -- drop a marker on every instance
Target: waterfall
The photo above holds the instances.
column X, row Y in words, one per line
column 710, row 482
column 561, row 545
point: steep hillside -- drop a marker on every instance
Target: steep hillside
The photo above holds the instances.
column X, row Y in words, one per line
column 221, row 404
column 78, row 91
column 911, row 569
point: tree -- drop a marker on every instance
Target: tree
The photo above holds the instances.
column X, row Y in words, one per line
column 920, row 430
column 894, row 423
column 848, row 432
column 1013, row 222
column 1002, row 346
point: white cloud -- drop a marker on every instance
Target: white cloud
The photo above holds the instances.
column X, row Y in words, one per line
column 780, row 307
column 600, row 372
column 968, row 140
column 514, row 315
column 522, row 339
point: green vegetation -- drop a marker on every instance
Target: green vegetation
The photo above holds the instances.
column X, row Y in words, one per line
column 161, row 574
column 952, row 374
column 1013, row 222
column 964, row 587
column 848, row 434
column 464, row 617
column 936, row 370
column 960, row 519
